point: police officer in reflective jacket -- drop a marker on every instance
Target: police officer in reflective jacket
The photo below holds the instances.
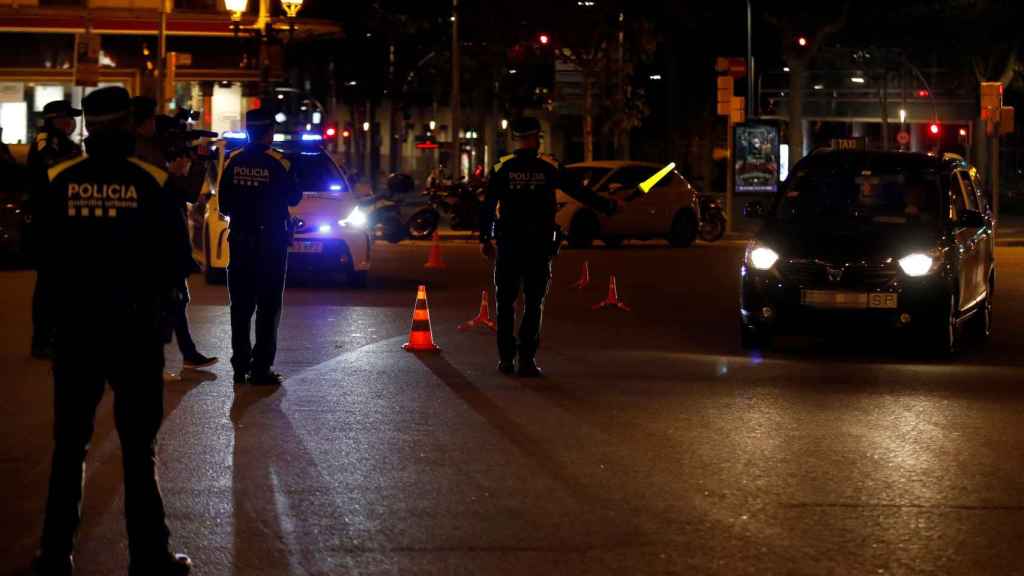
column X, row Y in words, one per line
column 256, row 190
column 52, row 145
column 519, row 212
column 116, row 245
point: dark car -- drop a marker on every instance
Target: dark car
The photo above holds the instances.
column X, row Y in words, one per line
column 13, row 215
column 869, row 239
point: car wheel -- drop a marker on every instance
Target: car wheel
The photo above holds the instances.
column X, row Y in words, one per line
column 684, row 229
column 983, row 322
column 752, row 338
column 947, row 333
column 613, row 242
column 358, row 278
column 583, row 230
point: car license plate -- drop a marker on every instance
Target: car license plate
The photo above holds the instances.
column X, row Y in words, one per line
column 306, row 247
column 848, row 300
column 884, row 300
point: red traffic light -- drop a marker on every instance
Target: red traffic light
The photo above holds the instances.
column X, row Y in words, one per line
column 802, row 41
column 934, row 129
column 963, row 132
column 544, row 39
column 331, row 132
column 922, row 93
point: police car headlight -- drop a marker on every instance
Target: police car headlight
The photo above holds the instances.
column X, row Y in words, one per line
column 917, row 264
column 762, row 257
column 356, row 219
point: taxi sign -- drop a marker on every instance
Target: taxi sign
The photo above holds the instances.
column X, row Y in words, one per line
column 849, row 144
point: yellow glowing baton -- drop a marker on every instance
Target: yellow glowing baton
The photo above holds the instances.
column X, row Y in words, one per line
column 651, row 182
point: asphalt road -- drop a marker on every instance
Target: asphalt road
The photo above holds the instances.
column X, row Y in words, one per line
column 654, row 445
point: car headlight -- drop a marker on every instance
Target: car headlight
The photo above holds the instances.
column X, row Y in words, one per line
column 355, row 218
column 762, row 258
column 917, row 264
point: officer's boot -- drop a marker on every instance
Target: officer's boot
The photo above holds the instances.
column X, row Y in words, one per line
column 169, row 565
column 528, row 368
column 44, row 565
column 506, row 366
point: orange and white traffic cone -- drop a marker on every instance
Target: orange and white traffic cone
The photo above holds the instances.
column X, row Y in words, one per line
column 434, row 262
column 421, row 339
column 612, row 301
column 584, row 280
column 483, row 318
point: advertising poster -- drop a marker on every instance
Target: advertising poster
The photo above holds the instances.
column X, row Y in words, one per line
column 757, row 158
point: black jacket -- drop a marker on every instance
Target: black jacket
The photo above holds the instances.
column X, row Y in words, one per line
column 520, row 204
column 114, row 239
column 50, row 147
column 256, row 190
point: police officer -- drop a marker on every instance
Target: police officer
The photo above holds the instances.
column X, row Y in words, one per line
column 148, row 148
column 256, row 190
column 52, row 145
column 521, row 195
column 114, row 242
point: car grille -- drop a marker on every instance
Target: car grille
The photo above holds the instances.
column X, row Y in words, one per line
column 864, row 276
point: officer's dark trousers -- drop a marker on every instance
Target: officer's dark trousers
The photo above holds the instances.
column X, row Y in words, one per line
column 182, row 333
column 256, row 275
column 529, row 269
column 42, row 310
column 133, row 367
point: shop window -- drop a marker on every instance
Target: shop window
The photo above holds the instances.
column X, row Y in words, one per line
column 14, row 119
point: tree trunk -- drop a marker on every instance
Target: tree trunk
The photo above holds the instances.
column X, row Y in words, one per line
column 796, row 111
column 588, row 119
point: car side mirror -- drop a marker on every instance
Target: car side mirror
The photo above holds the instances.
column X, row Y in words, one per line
column 972, row 219
column 754, row 210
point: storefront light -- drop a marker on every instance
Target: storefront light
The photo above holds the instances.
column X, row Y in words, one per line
column 291, row 7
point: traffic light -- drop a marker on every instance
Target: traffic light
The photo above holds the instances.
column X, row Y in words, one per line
column 801, row 41
column 544, row 39
column 331, row 132
column 934, row 129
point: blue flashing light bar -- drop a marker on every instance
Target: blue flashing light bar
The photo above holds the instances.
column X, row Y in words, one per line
column 310, row 137
column 335, row 187
column 231, row 135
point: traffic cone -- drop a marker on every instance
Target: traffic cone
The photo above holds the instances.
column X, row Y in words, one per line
column 612, row 301
column 483, row 318
column 584, row 280
column 421, row 339
column 434, row 262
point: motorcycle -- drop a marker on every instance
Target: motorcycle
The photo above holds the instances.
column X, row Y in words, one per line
column 460, row 201
column 389, row 213
column 712, row 218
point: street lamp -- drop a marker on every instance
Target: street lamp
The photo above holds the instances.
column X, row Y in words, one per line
column 236, row 7
column 504, row 124
column 291, row 7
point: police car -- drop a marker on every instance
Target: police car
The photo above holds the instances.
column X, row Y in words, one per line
column 330, row 228
column 654, row 200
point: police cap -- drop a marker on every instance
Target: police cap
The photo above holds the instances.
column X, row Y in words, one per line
column 60, row 108
column 143, row 108
column 260, row 119
column 525, row 126
column 107, row 105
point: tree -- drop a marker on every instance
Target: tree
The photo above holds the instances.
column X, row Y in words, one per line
column 799, row 47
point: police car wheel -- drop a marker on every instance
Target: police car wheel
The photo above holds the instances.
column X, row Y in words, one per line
column 583, row 230
column 358, row 278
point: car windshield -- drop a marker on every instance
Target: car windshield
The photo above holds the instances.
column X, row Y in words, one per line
column 876, row 196
column 316, row 173
column 588, row 176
